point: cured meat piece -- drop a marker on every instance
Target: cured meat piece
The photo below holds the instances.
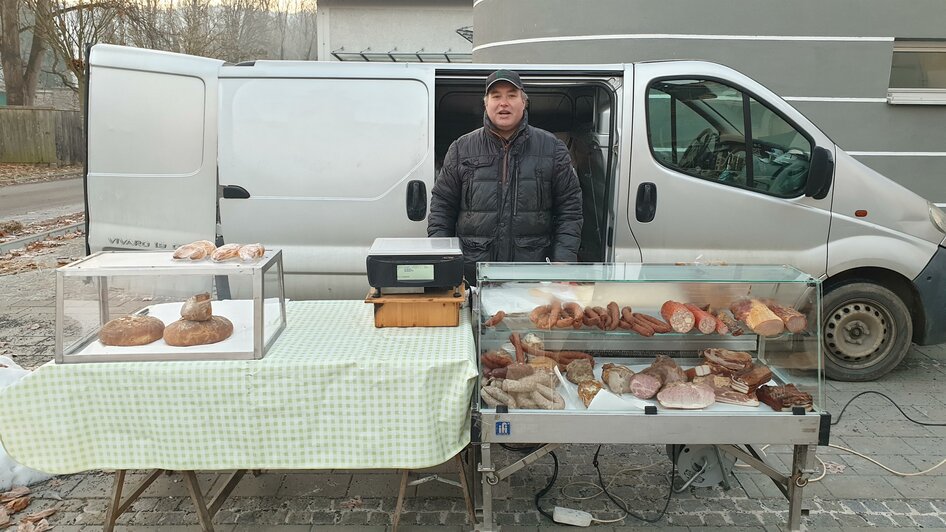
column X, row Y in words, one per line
column 795, row 322
column 725, row 319
column 782, row 398
column 705, row 322
column 726, row 362
column 645, row 385
column 519, row 371
column 748, row 381
column 668, row 370
column 732, row 397
column 757, row 316
column 617, row 378
column 686, row 395
column 678, row 316
column 579, row 371
column 698, row 371
column 587, row 391
column 659, row 326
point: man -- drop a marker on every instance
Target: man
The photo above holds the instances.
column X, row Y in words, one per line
column 507, row 190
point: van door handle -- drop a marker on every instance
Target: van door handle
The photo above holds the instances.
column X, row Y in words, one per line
column 416, row 200
column 646, row 208
column 235, row 192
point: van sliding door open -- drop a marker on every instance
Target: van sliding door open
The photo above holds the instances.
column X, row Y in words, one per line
column 317, row 158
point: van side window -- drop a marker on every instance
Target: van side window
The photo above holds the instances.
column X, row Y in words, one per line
column 699, row 128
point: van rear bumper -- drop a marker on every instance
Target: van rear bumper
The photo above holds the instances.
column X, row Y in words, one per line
column 931, row 288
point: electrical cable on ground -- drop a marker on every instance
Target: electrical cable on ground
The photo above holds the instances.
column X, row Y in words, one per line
column 601, row 491
column 623, row 507
column 824, row 467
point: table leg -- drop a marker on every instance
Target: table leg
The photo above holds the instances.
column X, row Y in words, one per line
column 465, row 487
column 796, row 484
column 400, row 500
column 111, row 512
column 203, row 515
column 489, row 479
column 116, row 506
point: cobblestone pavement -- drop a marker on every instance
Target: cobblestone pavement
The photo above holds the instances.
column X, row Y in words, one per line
column 854, row 495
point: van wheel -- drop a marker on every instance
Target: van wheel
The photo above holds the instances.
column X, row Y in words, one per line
column 866, row 330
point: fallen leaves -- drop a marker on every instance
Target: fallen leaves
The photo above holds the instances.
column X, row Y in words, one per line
column 353, row 503
column 18, row 499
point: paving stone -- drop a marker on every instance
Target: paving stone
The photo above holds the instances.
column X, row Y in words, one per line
column 315, row 485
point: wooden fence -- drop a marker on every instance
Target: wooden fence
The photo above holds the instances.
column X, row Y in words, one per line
column 30, row 135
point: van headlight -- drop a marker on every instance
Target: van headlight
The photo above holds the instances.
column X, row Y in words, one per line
column 938, row 217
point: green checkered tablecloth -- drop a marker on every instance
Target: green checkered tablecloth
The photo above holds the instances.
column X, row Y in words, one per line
column 333, row 392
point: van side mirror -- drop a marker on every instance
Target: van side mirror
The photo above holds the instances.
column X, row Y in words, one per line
column 820, row 174
column 416, row 200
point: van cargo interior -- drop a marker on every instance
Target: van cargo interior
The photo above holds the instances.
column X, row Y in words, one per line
column 577, row 113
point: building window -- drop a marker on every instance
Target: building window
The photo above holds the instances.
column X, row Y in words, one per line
column 918, row 73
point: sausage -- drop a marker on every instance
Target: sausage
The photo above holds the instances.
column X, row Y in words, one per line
column 495, row 319
column 554, row 314
column 605, row 319
column 659, row 326
column 591, row 317
column 614, row 315
column 727, row 320
column 795, row 321
column 705, row 322
column 493, row 360
column 642, row 327
column 678, row 316
column 577, row 314
column 538, row 313
column 517, row 343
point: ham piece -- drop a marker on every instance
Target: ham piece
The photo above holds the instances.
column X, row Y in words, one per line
column 617, row 378
column 686, row 395
column 662, row 371
column 784, row 398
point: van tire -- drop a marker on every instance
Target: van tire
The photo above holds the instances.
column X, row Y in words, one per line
column 866, row 331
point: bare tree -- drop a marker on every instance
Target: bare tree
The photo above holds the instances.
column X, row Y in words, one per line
column 68, row 25
column 20, row 77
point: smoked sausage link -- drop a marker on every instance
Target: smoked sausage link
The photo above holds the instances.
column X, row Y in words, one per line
column 678, row 316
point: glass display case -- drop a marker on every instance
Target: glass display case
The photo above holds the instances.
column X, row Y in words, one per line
column 117, row 306
column 725, row 357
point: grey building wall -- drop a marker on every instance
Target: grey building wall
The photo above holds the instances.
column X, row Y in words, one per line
column 830, row 58
column 400, row 26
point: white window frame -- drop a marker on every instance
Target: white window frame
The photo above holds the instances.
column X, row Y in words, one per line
column 918, row 96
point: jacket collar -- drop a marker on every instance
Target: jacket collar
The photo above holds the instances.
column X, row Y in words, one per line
column 520, row 130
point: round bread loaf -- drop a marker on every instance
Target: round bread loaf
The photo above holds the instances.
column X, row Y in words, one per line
column 131, row 330
column 185, row 333
column 197, row 308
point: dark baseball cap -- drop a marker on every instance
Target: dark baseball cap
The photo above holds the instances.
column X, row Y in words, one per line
column 503, row 75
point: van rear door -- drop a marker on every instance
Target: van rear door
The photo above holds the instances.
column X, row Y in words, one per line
column 152, row 133
column 320, row 158
column 719, row 169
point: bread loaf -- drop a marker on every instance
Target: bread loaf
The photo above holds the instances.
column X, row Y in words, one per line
column 131, row 330
column 190, row 252
column 197, row 308
column 251, row 252
column 206, row 245
column 186, row 333
column 226, row 252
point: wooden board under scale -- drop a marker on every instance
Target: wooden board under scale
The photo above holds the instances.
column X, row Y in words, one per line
column 432, row 309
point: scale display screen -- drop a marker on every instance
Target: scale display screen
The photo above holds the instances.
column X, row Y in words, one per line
column 415, row 272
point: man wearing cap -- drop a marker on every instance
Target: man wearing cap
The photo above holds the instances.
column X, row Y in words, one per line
column 507, row 190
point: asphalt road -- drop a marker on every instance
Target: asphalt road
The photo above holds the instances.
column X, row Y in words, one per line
column 33, row 202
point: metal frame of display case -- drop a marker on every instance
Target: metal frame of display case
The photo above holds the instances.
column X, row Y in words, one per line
column 733, row 433
column 176, row 268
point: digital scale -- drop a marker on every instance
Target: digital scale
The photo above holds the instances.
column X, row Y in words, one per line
column 414, row 265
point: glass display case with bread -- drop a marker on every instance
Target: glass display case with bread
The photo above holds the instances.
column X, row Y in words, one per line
column 198, row 302
column 648, row 339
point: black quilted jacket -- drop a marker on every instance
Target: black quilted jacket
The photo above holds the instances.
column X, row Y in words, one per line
column 516, row 200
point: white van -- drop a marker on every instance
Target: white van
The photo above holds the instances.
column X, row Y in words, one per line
column 678, row 161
